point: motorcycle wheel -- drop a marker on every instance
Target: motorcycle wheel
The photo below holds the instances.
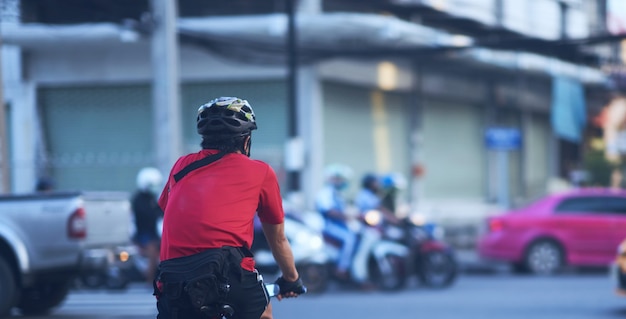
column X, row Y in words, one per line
column 117, row 279
column 395, row 280
column 315, row 277
column 437, row 269
column 92, row 280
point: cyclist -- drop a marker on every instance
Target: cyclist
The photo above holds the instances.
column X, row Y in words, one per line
column 210, row 201
column 146, row 213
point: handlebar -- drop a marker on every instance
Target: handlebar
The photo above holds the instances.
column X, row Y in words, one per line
column 273, row 290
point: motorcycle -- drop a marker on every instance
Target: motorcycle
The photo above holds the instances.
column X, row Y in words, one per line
column 123, row 265
column 378, row 260
column 308, row 250
column 116, row 269
column 430, row 258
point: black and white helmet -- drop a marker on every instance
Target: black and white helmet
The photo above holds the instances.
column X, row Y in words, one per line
column 226, row 115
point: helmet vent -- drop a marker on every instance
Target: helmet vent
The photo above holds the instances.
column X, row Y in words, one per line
column 232, row 122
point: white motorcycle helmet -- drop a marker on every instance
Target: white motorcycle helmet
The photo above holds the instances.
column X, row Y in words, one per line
column 149, row 179
column 338, row 175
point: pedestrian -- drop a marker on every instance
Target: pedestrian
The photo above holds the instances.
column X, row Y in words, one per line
column 146, row 215
column 210, row 201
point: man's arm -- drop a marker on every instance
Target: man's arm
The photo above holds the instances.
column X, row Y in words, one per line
column 275, row 234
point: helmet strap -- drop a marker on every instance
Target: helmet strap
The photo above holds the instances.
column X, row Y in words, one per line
column 247, row 144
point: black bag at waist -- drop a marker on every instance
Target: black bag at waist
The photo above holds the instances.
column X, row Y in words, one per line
column 219, row 260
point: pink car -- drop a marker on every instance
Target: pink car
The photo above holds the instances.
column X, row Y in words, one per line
column 581, row 228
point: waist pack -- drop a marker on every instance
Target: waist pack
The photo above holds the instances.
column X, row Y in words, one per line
column 200, row 282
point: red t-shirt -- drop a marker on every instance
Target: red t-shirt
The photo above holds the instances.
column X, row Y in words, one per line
column 214, row 206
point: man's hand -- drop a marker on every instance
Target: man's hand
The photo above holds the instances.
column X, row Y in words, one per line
column 290, row 289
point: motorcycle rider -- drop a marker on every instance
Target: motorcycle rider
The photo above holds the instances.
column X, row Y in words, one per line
column 391, row 185
column 332, row 205
column 146, row 213
column 369, row 197
column 210, row 201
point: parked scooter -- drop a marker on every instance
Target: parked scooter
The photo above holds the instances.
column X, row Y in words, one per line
column 308, row 250
column 430, row 258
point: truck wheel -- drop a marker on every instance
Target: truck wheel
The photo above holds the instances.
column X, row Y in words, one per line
column 41, row 299
column 9, row 291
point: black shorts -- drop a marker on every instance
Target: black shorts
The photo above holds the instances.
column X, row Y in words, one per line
column 247, row 296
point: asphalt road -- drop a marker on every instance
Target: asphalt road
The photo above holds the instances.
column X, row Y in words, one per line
column 479, row 296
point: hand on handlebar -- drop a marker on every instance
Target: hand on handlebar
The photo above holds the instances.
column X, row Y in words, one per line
column 290, row 289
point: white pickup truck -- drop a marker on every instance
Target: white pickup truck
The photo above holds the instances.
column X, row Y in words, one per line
column 48, row 239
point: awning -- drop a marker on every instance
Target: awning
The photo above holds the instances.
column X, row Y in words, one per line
column 261, row 38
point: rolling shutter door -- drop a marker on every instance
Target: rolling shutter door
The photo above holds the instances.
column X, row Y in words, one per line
column 365, row 129
column 97, row 138
column 453, row 151
column 537, row 135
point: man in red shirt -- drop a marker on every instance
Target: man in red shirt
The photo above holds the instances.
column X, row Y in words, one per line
column 209, row 204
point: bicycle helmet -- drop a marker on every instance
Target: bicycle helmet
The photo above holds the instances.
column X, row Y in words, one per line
column 226, row 115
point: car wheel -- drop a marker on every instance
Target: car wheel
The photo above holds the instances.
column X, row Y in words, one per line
column 544, row 257
column 8, row 290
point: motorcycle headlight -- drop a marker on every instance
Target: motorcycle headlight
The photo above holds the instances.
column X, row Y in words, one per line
column 417, row 219
column 307, row 239
column 316, row 242
column 373, row 217
column 123, row 256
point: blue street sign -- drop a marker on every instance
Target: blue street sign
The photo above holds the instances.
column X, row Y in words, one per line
column 503, row 138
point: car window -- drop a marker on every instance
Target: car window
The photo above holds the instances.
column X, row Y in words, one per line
column 593, row 204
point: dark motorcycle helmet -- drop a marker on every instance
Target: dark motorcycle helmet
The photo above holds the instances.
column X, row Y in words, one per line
column 226, row 116
column 369, row 181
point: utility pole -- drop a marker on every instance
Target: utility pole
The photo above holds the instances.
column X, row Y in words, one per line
column 9, row 12
column 165, row 89
column 294, row 150
column 4, row 138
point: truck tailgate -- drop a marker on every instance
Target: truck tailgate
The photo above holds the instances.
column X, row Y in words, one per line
column 108, row 217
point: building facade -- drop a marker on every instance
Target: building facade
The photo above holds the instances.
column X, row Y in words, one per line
column 79, row 102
